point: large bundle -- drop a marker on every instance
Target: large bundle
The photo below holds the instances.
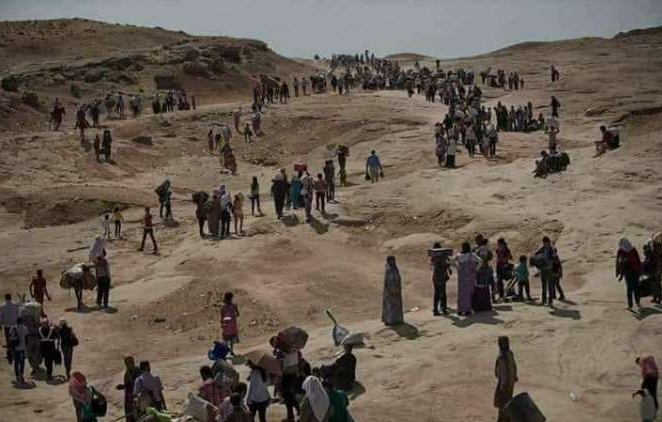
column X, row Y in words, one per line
column 521, row 408
column 79, row 272
column 162, row 189
column 31, row 310
column 440, row 252
column 269, row 81
column 200, row 197
column 292, row 338
column 344, row 149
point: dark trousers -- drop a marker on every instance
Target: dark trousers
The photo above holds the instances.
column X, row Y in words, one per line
column 118, row 228
column 319, row 199
column 548, row 287
column 19, row 363
column 9, row 356
column 439, row 303
column 279, row 202
column 557, row 288
column 48, row 362
column 225, row 223
column 168, row 209
column 67, row 358
column 523, row 286
column 650, row 384
column 259, row 409
column 103, row 290
column 201, row 226
column 255, row 199
column 631, row 283
column 148, row 232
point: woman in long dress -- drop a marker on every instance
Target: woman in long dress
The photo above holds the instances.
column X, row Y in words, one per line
column 392, row 313
column 213, row 210
column 467, row 264
column 505, row 371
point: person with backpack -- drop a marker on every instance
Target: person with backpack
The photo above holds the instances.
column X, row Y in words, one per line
column 131, row 374
column 68, row 341
column 628, row 266
column 102, row 270
column 16, row 343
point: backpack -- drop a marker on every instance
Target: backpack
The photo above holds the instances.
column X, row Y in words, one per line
column 162, row 189
column 14, row 339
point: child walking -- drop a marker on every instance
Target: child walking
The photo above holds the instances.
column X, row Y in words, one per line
column 521, row 273
column 105, row 224
column 255, row 196
column 238, row 213
column 118, row 219
column 229, row 315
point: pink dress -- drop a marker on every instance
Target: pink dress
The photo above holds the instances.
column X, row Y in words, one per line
column 229, row 322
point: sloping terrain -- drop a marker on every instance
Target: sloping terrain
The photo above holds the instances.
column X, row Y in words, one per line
column 81, row 60
column 166, row 307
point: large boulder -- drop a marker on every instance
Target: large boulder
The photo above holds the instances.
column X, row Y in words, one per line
column 195, row 68
column 167, row 79
column 191, row 54
column 11, row 83
column 94, row 75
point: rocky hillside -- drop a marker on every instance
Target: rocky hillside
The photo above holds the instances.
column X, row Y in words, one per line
column 78, row 60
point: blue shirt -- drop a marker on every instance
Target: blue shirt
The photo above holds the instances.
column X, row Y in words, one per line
column 521, row 272
column 373, row 161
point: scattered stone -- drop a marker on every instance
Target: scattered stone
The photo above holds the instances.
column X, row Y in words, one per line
column 159, row 320
column 94, row 75
column 345, row 220
column 167, row 79
column 143, row 140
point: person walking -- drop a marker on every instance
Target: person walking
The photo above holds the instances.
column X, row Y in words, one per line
column 503, row 265
column 467, row 264
column 68, row 341
column 392, row 312
column 103, row 281
column 316, row 405
column 555, row 105
column 257, row 397
column 373, row 167
column 628, row 266
column 320, row 193
column 547, row 255
column 9, row 312
column 229, row 315
column 38, row 288
column 226, row 211
column 521, row 274
column 649, row 376
column 505, row 370
column 655, row 246
column 148, row 230
column 17, row 344
column 149, row 385
column 48, row 337
column 131, row 374
column 279, row 189
column 255, row 196
column 118, row 219
column 441, row 272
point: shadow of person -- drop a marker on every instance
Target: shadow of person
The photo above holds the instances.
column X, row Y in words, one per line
column 83, row 309
column 238, row 360
column 566, row 313
column 290, row 220
column 503, row 308
column 318, row 226
column 405, row 330
column 23, row 385
column 487, row 318
column 646, row 312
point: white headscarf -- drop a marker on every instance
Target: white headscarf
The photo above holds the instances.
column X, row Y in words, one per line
column 624, row 245
column 317, row 397
column 97, row 248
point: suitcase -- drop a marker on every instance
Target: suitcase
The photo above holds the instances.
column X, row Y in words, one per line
column 482, row 301
column 521, row 408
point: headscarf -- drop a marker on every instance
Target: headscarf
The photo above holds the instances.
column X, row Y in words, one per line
column 317, row 397
column 504, row 344
column 657, row 237
column 624, row 245
column 78, row 388
column 390, row 263
column 62, row 323
column 97, row 248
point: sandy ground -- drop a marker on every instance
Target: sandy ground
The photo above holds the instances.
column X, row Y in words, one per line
column 433, row 369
